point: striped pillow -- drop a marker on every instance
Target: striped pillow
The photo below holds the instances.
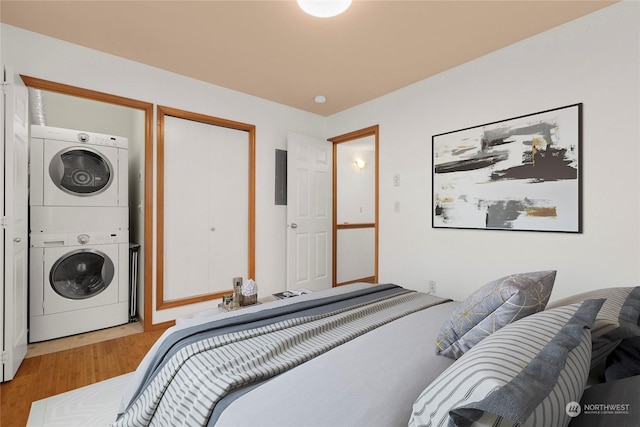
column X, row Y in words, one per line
column 491, row 307
column 524, row 374
column 618, row 319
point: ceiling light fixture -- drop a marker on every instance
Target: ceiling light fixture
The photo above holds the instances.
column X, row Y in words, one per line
column 320, row 99
column 324, row 8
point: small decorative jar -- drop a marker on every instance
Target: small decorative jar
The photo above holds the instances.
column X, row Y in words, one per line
column 249, row 292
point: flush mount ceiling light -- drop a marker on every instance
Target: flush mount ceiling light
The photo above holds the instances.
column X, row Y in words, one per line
column 324, row 8
column 320, row 99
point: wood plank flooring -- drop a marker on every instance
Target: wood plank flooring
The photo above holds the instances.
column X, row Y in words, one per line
column 45, row 347
column 50, row 374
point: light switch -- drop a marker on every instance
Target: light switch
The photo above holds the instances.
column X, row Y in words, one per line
column 396, row 180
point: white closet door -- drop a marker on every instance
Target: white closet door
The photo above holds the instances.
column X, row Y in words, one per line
column 205, row 207
column 15, row 282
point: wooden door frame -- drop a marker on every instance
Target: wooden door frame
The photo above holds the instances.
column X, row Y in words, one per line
column 163, row 111
column 147, row 107
column 362, row 133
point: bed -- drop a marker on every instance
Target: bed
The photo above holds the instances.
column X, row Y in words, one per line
column 382, row 355
column 367, row 380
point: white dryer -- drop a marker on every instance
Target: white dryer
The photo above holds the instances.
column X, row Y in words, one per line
column 76, row 168
column 78, row 283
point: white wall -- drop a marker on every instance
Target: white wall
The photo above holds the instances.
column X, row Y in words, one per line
column 356, row 187
column 594, row 60
column 355, row 199
column 50, row 59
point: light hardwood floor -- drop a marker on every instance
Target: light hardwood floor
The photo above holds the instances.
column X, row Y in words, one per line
column 46, row 347
column 44, row 374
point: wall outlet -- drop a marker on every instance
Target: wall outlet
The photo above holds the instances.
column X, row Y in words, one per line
column 432, row 287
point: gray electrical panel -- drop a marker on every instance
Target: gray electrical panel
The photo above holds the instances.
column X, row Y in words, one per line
column 281, row 177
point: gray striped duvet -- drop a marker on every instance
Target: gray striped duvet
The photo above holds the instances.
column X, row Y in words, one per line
column 184, row 388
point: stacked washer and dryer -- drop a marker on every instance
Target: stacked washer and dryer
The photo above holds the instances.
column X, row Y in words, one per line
column 79, row 232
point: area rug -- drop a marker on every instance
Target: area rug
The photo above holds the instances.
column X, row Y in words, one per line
column 95, row 405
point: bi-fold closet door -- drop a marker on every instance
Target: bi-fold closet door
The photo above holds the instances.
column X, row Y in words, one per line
column 14, row 181
column 206, row 193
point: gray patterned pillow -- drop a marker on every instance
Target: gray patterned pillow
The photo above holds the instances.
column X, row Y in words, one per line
column 617, row 320
column 491, row 307
column 524, row 374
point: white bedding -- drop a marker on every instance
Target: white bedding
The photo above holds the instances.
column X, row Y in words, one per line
column 372, row 380
column 214, row 314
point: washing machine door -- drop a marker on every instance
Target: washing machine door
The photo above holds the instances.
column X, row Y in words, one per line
column 81, row 274
column 81, row 171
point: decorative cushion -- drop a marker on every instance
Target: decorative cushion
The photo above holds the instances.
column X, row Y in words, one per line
column 624, row 362
column 524, row 374
column 618, row 319
column 491, row 307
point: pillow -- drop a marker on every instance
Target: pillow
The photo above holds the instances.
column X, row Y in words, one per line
column 524, row 374
column 617, row 320
column 624, row 362
column 491, row 307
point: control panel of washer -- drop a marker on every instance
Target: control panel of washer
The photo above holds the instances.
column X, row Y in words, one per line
column 46, row 240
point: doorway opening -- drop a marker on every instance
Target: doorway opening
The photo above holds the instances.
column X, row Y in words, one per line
column 355, row 207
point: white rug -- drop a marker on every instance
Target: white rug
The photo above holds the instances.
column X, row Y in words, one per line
column 95, row 405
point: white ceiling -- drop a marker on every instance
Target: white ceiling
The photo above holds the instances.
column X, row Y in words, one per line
column 273, row 50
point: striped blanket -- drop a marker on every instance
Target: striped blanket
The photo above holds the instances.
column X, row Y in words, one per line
column 185, row 387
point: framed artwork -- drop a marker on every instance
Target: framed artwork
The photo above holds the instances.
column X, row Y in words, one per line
column 521, row 173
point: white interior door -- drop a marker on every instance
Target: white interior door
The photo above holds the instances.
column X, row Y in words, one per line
column 16, row 135
column 309, row 213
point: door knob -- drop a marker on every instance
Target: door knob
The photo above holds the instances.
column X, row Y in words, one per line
column 294, row 225
column 17, row 240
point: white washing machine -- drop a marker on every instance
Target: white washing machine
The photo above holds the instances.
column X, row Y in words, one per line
column 78, row 283
column 75, row 168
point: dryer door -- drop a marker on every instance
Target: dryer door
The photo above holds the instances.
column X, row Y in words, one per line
column 81, row 172
column 77, row 175
column 80, row 278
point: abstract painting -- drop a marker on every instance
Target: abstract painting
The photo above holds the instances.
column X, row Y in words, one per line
column 521, row 173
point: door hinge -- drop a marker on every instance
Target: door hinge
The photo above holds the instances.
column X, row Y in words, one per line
column 5, row 357
column 4, row 222
column 4, row 87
